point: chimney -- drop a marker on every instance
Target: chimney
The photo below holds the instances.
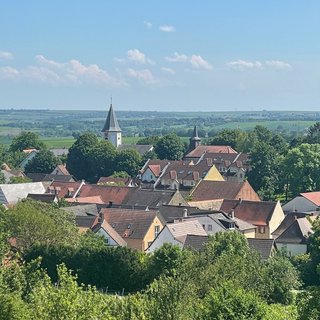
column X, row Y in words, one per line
column 231, row 214
column 185, row 213
column 110, row 204
column 240, row 200
column 101, row 217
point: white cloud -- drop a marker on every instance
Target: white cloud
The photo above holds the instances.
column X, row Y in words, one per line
column 167, row 28
column 138, row 56
column 278, row 64
column 147, row 24
column 5, row 55
column 177, row 58
column 144, row 75
column 196, row 61
column 9, row 73
column 244, row 65
column 119, row 60
column 199, row 63
column 168, row 70
column 72, row 72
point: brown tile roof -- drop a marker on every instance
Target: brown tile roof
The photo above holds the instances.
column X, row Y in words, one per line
column 85, row 222
column 314, row 197
column 185, row 171
column 108, row 194
column 212, row 190
column 128, row 223
column 155, row 168
column 62, row 188
column 154, row 163
column 200, row 150
column 110, row 231
column 63, row 169
column 255, row 212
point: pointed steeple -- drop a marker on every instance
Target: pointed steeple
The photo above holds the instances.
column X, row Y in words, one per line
column 111, row 129
column 195, row 133
column 111, row 123
column 195, row 141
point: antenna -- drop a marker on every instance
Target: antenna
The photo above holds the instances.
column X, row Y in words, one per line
column 111, row 100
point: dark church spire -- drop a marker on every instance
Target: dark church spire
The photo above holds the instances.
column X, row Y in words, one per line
column 111, row 123
column 195, row 141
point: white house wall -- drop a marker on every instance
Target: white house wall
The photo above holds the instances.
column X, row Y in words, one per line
column 291, row 248
column 164, row 236
column 103, row 233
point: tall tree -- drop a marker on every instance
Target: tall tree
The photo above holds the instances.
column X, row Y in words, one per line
column 26, row 140
column 79, row 161
column 43, row 162
column 301, row 168
column 128, row 160
column 263, row 176
column 170, row 147
column 229, row 137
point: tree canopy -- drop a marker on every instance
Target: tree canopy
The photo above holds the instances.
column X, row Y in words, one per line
column 26, row 140
column 170, row 147
column 43, row 162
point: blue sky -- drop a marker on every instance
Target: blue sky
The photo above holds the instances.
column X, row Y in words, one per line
column 160, row 55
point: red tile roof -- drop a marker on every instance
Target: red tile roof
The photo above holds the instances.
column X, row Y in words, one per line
column 257, row 213
column 200, row 150
column 314, row 197
column 63, row 169
column 62, row 188
column 108, row 194
column 156, row 169
column 214, row 190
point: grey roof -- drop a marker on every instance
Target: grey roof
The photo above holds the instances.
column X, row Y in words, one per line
column 85, row 221
column 111, row 123
column 141, row 148
column 60, row 151
column 12, row 193
column 83, row 210
column 44, row 197
column 298, row 232
column 263, row 246
column 180, row 230
column 170, row 212
column 148, row 197
column 195, row 242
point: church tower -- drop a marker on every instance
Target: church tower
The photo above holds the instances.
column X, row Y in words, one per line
column 111, row 129
column 195, row 141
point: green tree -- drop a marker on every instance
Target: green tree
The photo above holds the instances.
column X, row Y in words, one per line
column 313, row 134
column 19, row 180
column 301, row 168
column 2, row 178
column 263, row 176
column 128, row 160
column 26, row 140
column 170, row 147
column 120, row 174
column 31, row 222
column 229, row 137
column 79, row 161
column 152, row 140
column 43, row 162
column 229, row 302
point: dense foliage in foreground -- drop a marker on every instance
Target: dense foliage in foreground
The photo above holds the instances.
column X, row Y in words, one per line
column 56, row 273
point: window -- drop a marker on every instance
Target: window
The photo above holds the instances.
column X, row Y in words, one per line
column 204, row 227
column 262, row 229
column 107, row 240
column 209, row 227
column 156, row 231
